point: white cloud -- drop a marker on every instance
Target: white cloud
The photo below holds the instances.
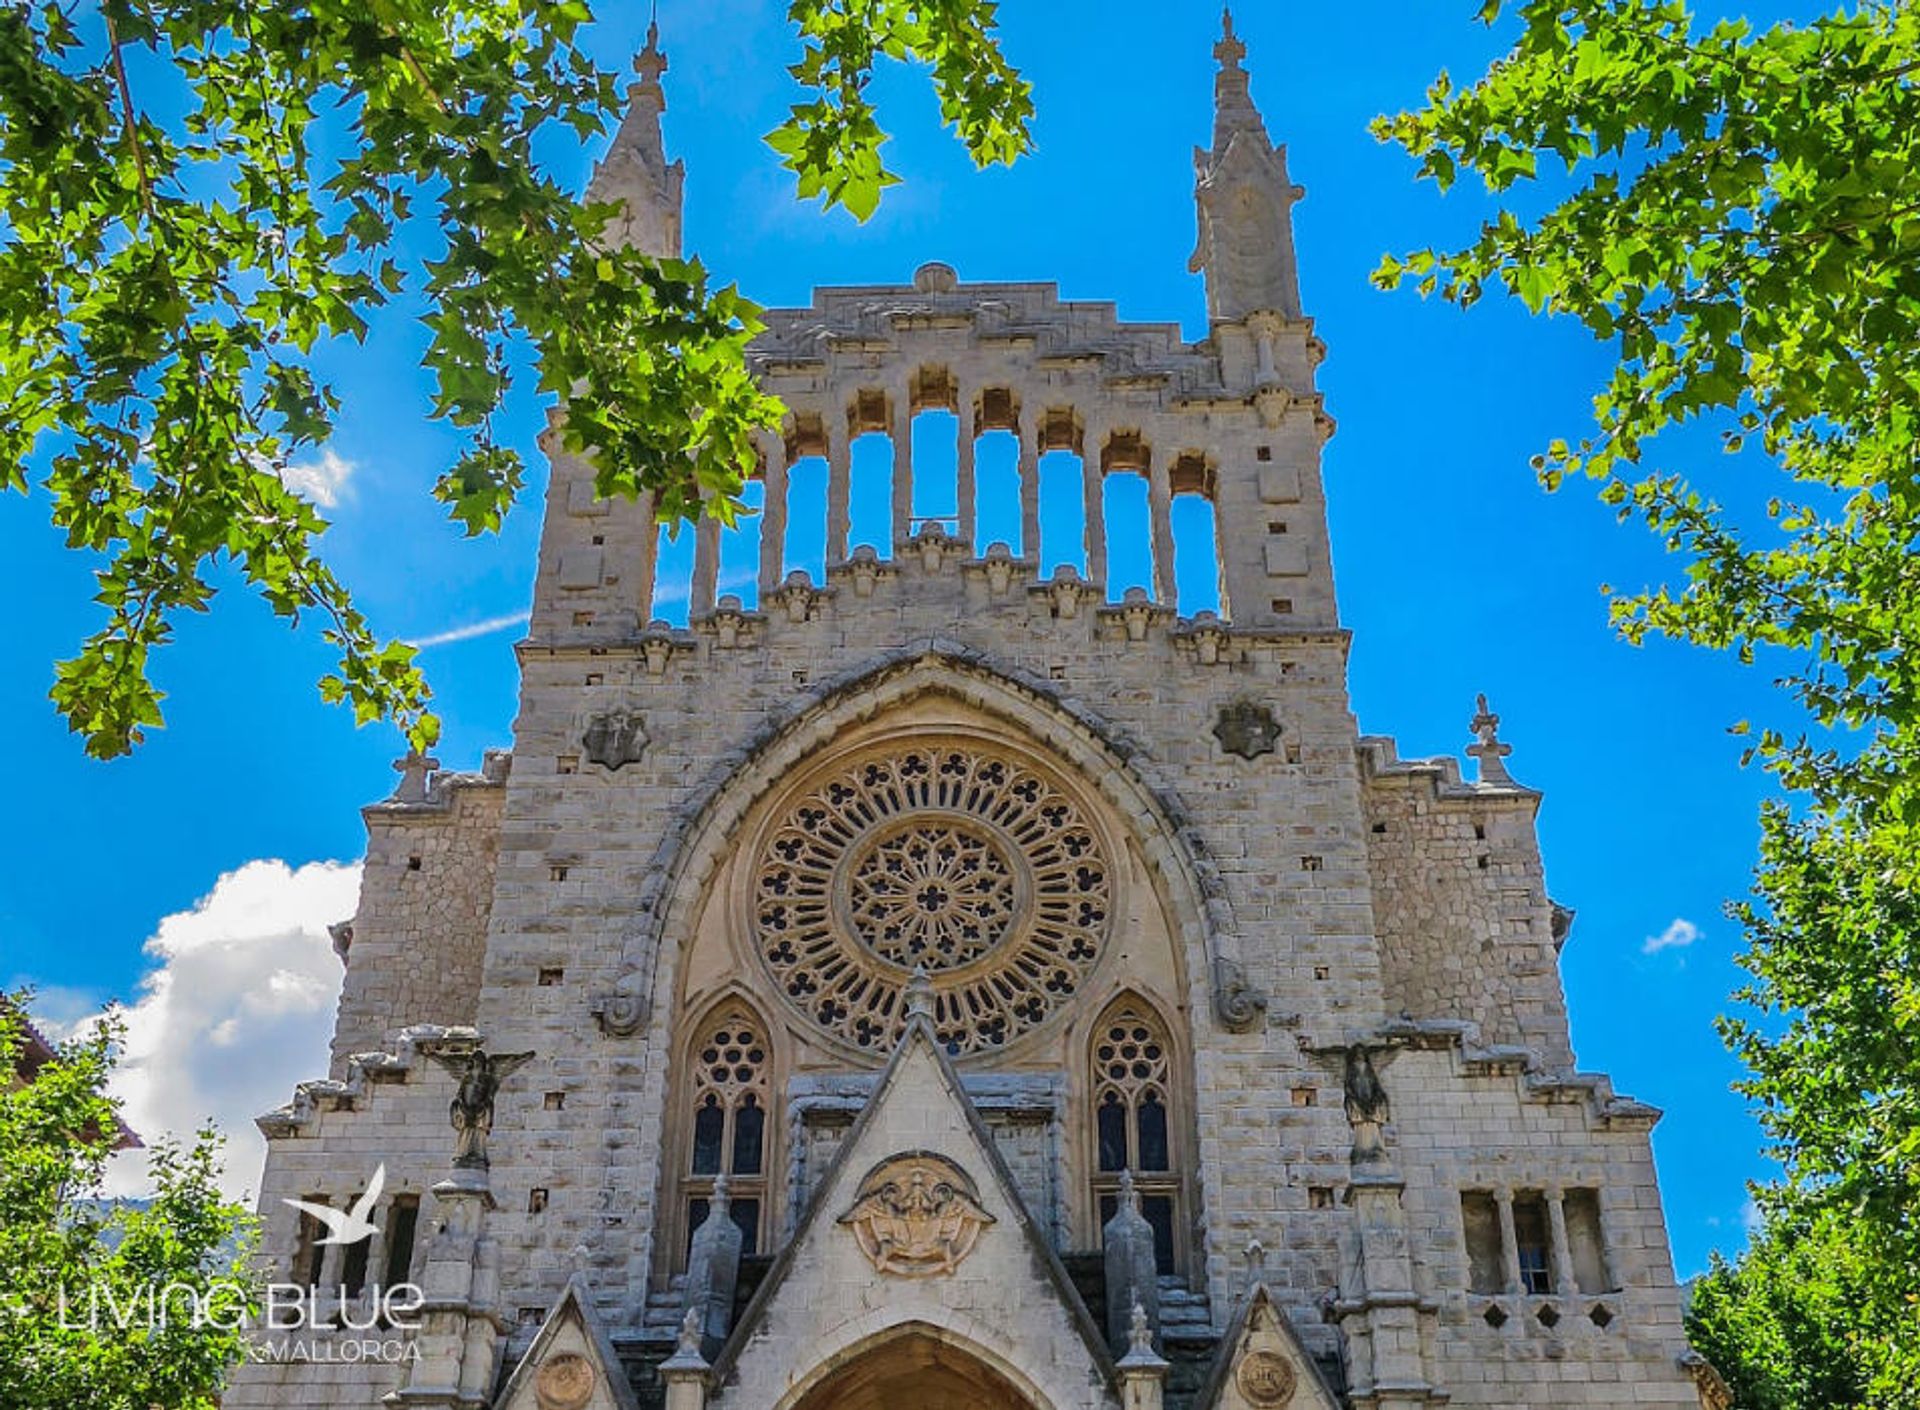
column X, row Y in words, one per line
column 1677, row 936
column 239, row 1009
column 471, row 630
column 322, row 479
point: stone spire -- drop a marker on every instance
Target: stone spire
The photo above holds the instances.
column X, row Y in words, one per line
column 1245, row 202
column 635, row 171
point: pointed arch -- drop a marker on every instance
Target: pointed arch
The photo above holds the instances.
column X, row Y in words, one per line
column 1139, row 1111
column 725, row 1120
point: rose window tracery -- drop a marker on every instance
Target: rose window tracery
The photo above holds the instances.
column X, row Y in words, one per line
column 959, row 861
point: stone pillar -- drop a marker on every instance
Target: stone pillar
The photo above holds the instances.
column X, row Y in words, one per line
column 1160, row 513
column 706, row 566
column 773, row 516
column 458, row 1340
column 1030, row 494
column 839, row 488
column 713, row 1270
column 1133, row 1281
column 902, row 424
column 963, row 484
column 1387, row 1305
column 648, row 568
column 1509, row 1242
column 1093, row 483
column 1560, row 1252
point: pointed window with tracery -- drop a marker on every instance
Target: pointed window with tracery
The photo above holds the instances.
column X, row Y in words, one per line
column 728, row 1131
column 1131, row 1088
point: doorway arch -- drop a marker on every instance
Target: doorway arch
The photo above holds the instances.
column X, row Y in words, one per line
column 914, row 1368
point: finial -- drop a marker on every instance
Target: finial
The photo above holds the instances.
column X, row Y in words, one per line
column 920, row 994
column 722, row 1194
column 1129, row 1196
column 1229, row 51
column 1139, row 1331
column 1489, row 750
column 650, row 63
column 689, row 1339
column 414, row 771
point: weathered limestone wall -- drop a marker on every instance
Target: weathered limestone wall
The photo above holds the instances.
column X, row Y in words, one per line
column 425, row 894
column 1459, row 896
column 1467, row 1123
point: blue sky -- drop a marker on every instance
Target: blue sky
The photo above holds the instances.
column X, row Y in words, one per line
column 1456, row 573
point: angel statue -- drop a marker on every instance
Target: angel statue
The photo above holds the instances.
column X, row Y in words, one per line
column 471, row 1110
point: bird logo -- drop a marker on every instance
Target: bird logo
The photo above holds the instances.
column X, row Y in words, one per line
column 346, row 1226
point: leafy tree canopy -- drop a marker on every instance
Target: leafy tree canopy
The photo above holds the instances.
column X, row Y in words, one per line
column 1802, row 1322
column 1741, row 222
column 65, row 1252
column 174, row 245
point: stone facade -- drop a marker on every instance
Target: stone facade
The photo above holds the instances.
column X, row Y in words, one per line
column 908, row 956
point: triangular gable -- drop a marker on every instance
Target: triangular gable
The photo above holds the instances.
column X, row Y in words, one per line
column 570, row 1354
column 1262, row 1363
column 841, row 1284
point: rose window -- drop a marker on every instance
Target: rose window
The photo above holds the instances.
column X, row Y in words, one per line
column 959, row 862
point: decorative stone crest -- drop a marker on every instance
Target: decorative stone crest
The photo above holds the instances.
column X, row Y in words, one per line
column 1266, row 1378
column 1247, row 729
column 566, row 1382
column 615, row 739
column 621, row 1012
column 1487, row 747
column 917, row 1215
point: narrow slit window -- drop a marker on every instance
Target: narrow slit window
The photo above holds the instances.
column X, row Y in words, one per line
column 673, row 574
column 870, row 501
column 1486, row 1262
column 1530, row 1239
column 806, row 546
column 403, row 1224
column 1129, row 533
column 936, row 470
column 996, row 493
column 1063, row 513
column 1196, row 556
column 1586, row 1243
column 740, row 549
column 1131, row 1081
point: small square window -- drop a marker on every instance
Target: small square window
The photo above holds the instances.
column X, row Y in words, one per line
column 567, row 764
column 554, row 1101
column 583, row 619
column 1319, row 1197
column 536, row 1200
column 1283, row 607
column 1305, row 1096
column 557, row 872
column 1311, row 863
column 1263, row 453
column 1320, row 971
column 596, row 678
column 551, row 977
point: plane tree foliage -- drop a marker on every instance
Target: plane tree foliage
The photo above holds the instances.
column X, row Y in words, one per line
column 196, row 196
column 1735, row 211
column 83, row 1319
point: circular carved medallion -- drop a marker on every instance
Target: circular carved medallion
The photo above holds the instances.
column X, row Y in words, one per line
column 917, row 1214
column 1266, row 1378
column 564, row 1383
column 957, row 860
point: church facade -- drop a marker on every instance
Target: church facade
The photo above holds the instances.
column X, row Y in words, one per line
column 943, row 983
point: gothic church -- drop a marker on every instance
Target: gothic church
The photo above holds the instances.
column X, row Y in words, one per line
column 943, row 984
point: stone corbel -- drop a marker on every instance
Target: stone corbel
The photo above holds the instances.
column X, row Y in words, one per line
column 657, row 645
column 621, row 1012
column 731, row 625
column 1211, row 644
column 799, row 596
column 1236, row 1003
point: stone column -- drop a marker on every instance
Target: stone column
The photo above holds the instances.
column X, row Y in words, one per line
column 773, row 516
column 1093, row 481
column 648, row 559
column 1509, row 1242
column 1030, row 493
column 839, row 482
column 963, row 486
column 706, row 566
column 458, row 1339
column 1160, row 513
column 1560, row 1252
column 902, row 424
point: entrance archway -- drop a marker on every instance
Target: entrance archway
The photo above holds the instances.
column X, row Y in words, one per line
column 914, row 1371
